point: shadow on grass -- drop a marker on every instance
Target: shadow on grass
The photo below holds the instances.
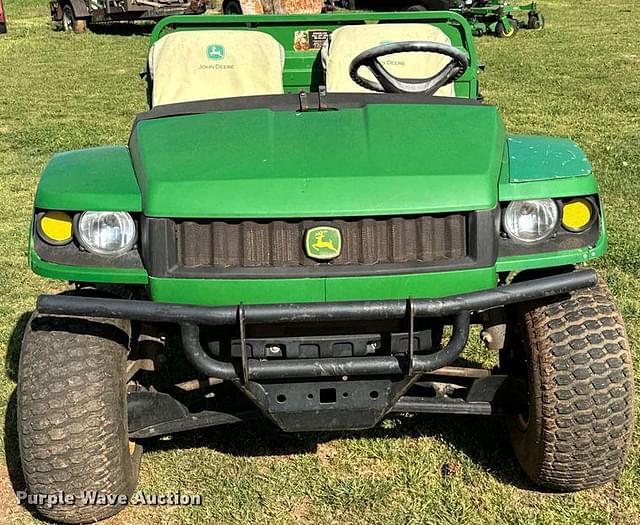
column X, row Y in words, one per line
column 483, row 439
column 11, row 447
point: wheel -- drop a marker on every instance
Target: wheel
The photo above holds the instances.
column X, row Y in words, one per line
column 70, row 22
column 501, row 31
column 416, row 7
column 577, row 428
column 232, row 7
column 535, row 21
column 72, row 414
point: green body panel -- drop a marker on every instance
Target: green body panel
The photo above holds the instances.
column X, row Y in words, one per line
column 303, row 69
column 264, row 291
column 376, row 160
column 88, row 274
column 537, row 167
column 578, row 186
column 236, row 291
column 100, row 179
column 536, row 158
column 429, row 285
column 547, row 260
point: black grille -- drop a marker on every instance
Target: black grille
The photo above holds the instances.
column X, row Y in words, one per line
column 219, row 244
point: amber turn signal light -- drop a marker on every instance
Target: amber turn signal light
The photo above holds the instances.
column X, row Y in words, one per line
column 55, row 227
column 578, row 214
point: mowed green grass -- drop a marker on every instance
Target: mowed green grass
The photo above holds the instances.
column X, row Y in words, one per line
column 578, row 78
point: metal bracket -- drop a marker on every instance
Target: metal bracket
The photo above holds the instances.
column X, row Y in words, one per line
column 243, row 343
column 411, row 312
column 322, row 98
column 304, row 103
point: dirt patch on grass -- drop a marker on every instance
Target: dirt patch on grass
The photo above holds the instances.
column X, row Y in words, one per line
column 332, row 457
column 9, row 508
column 609, row 499
column 377, row 468
column 325, row 453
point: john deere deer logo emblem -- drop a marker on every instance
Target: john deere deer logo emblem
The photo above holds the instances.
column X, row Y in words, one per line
column 323, row 242
column 215, row 52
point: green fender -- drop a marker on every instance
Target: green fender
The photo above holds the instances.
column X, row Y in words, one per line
column 98, row 179
column 537, row 167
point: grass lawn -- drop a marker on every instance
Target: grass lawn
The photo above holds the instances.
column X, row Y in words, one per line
column 579, row 78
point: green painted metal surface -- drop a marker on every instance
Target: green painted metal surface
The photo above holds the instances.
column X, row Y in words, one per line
column 536, row 158
column 574, row 186
column 265, row 291
column 89, row 274
column 100, row 179
column 549, row 260
column 376, row 160
column 437, row 284
column 303, row 69
column 236, row 291
column 537, row 167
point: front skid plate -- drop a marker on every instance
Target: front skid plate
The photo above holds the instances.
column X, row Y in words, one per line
column 327, row 405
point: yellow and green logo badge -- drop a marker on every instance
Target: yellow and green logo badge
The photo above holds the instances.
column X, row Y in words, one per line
column 215, row 51
column 323, row 242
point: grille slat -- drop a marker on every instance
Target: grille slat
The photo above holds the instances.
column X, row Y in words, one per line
column 280, row 243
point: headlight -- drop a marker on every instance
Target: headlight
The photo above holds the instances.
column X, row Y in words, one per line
column 106, row 232
column 531, row 220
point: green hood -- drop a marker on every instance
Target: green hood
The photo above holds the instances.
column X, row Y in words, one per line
column 375, row 160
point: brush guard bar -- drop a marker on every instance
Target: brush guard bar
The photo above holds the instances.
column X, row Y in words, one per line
column 190, row 317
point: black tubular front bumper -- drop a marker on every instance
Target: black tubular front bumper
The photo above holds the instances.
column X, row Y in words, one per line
column 190, row 317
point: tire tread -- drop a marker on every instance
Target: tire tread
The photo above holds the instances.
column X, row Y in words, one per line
column 586, row 389
column 72, row 412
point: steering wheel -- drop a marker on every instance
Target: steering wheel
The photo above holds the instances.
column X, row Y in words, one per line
column 387, row 83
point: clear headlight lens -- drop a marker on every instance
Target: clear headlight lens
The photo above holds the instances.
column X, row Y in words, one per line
column 106, row 232
column 531, row 220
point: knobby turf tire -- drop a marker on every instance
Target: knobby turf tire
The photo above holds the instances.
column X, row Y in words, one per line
column 580, row 377
column 72, row 413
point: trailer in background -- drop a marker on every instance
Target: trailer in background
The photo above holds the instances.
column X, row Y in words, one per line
column 74, row 15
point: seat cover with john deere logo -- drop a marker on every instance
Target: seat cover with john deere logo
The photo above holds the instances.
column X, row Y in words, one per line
column 200, row 65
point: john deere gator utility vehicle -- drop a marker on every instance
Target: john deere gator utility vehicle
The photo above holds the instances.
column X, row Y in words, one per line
column 306, row 223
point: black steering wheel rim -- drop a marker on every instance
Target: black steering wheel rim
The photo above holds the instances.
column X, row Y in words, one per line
column 387, row 83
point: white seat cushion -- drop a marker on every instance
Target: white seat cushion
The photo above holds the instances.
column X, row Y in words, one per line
column 199, row 65
column 349, row 41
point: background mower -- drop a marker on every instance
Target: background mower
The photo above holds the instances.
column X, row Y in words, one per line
column 484, row 16
column 499, row 18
